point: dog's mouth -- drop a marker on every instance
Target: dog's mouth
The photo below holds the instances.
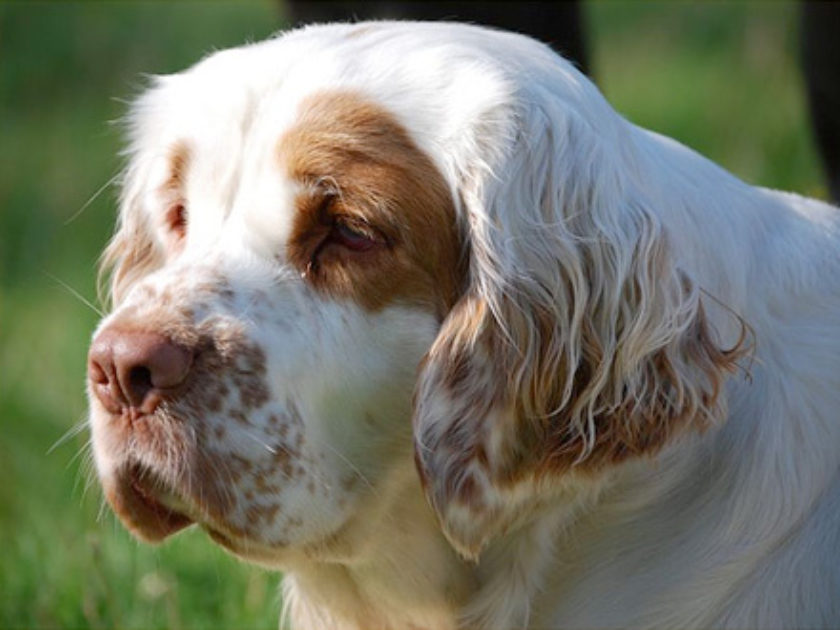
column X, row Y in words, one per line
column 153, row 510
column 146, row 504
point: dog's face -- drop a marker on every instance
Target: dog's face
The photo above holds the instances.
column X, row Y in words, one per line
column 286, row 262
column 355, row 248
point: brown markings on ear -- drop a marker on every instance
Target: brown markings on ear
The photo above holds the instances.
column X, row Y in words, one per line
column 476, row 364
column 491, row 427
column 648, row 420
column 357, row 164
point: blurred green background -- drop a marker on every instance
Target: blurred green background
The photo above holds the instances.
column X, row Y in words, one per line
column 720, row 77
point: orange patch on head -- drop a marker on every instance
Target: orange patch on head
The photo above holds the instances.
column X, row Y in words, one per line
column 175, row 217
column 362, row 177
column 179, row 157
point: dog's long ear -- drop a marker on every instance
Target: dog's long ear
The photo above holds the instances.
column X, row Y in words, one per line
column 578, row 343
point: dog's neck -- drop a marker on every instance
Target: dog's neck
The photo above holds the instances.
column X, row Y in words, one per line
column 393, row 570
column 396, row 570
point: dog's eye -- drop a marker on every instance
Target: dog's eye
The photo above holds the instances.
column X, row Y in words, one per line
column 176, row 219
column 357, row 238
column 349, row 235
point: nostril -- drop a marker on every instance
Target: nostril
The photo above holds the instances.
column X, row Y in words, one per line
column 129, row 368
column 102, row 377
column 148, row 365
column 97, row 374
column 140, row 381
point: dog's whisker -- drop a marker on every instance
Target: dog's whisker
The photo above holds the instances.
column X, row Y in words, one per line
column 92, row 198
column 68, row 435
column 75, row 294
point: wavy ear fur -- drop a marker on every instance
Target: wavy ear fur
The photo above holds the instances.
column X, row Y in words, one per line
column 578, row 343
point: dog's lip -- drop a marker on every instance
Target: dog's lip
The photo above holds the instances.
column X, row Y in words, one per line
column 145, row 504
column 239, row 545
column 227, row 536
column 275, row 555
column 221, row 538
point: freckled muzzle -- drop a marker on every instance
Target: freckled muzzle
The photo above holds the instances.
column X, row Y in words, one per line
column 166, row 388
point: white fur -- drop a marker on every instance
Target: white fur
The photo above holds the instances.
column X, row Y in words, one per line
column 565, row 205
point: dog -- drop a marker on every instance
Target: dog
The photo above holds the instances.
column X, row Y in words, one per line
column 410, row 313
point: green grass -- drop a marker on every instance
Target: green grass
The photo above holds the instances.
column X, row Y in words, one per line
column 65, row 72
column 720, row 77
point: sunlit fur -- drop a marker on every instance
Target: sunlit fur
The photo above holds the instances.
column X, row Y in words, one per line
column 627, row 418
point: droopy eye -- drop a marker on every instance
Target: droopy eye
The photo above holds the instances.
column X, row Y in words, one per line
column 355, row 237
column 347, row 234
column 176, row 219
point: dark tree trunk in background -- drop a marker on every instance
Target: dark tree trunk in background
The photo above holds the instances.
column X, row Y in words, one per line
column 559, row 24
column 820, row 40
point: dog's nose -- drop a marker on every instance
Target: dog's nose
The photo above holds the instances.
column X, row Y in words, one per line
column 135, row 369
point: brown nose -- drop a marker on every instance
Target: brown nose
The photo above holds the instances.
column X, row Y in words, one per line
column 135, row 369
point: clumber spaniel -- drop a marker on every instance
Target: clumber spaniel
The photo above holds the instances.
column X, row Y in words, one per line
column 409, row 312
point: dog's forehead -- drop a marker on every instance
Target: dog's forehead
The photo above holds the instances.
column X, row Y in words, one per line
column 225, row 117
column 432, row 78
column 220, row 125
column 259, row 87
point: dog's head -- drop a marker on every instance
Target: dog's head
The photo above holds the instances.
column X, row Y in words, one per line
column 356, row 249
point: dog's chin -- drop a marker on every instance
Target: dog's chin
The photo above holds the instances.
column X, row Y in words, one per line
column 278, row 557
column 153, row 511
column 246, row 548
column 147, row 507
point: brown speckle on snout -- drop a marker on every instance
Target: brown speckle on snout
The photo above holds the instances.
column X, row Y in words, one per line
column 169, row 389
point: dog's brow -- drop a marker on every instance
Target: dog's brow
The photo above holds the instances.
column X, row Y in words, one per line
column 177, row 160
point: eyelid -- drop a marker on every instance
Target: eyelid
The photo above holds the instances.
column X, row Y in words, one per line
column 358, row 225
column 354, row 239
column 348, row 232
